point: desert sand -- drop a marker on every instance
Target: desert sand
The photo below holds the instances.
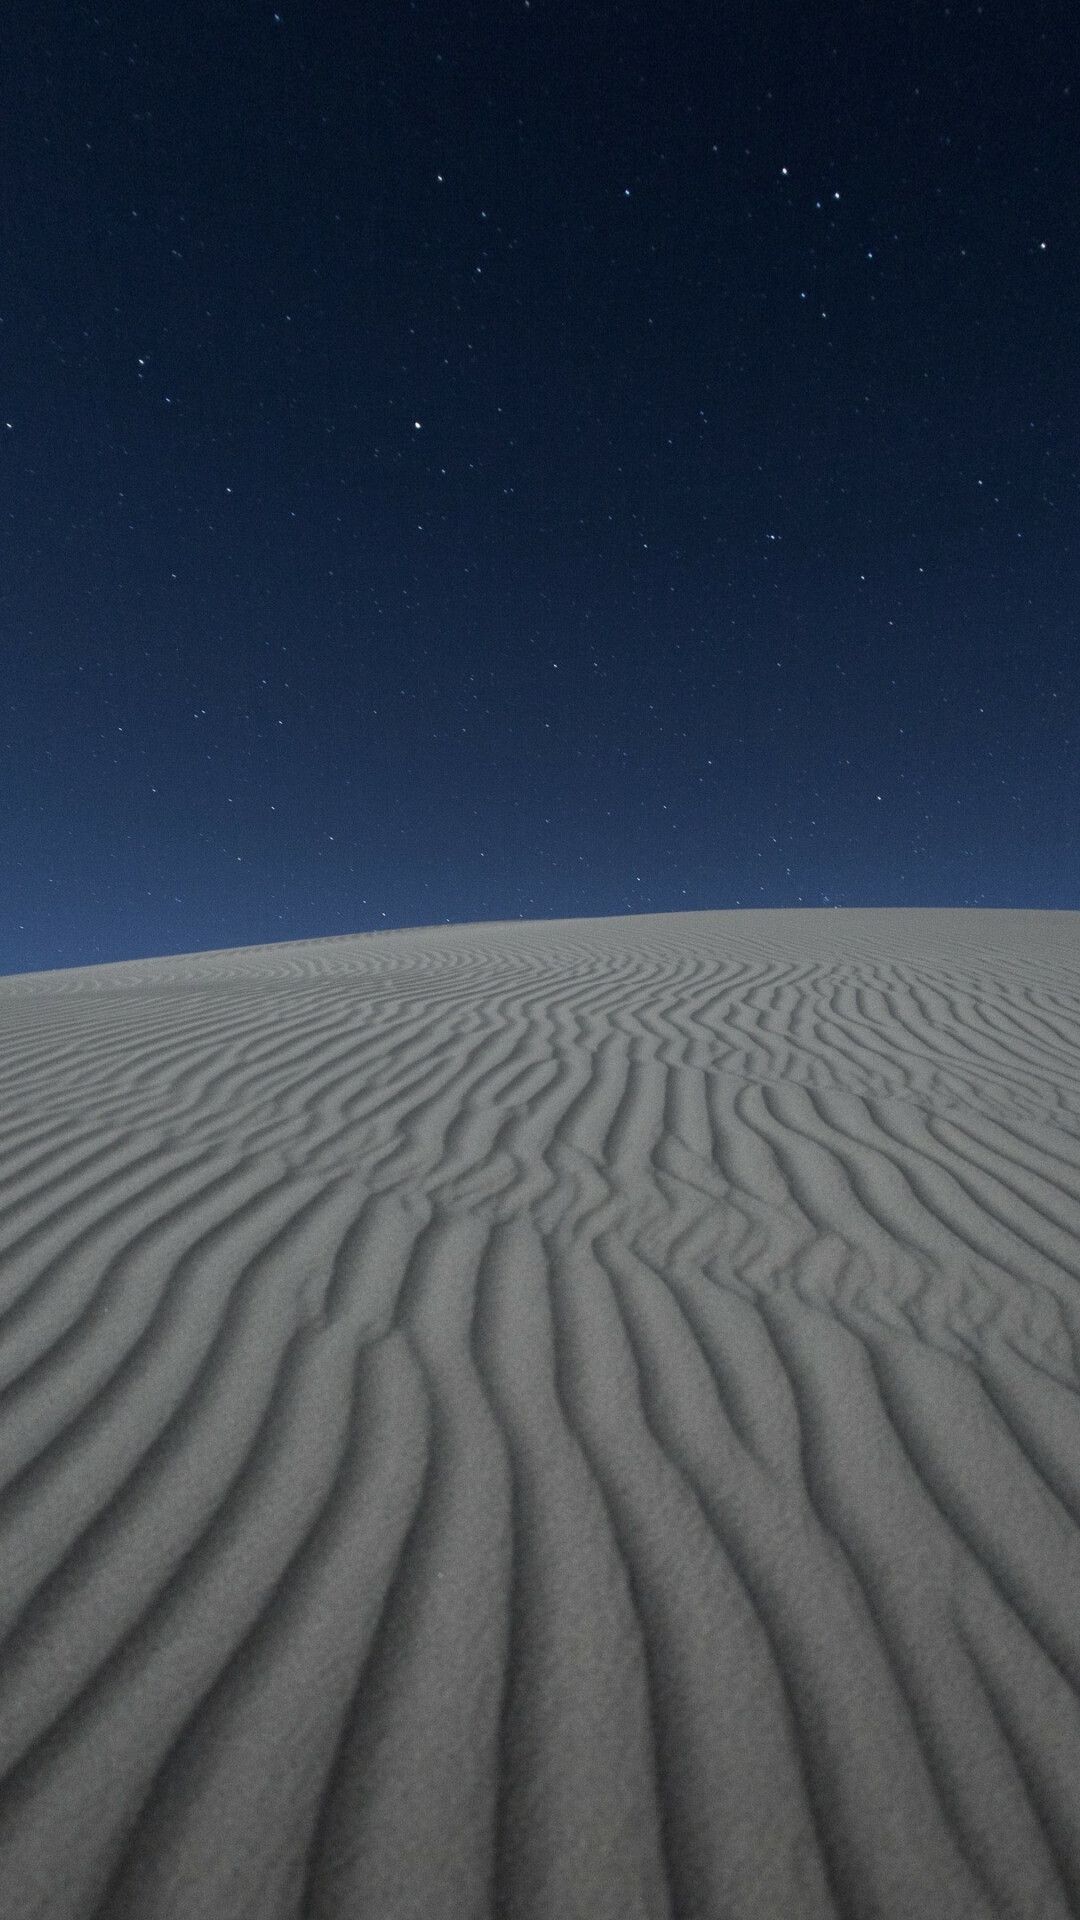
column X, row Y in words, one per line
column 572, row 1421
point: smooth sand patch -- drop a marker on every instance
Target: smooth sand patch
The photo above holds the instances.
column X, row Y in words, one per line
column 567, row 1421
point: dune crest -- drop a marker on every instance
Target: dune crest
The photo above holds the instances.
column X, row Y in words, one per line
column 546, row 1420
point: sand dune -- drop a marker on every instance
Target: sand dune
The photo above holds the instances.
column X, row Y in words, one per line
column 564, row 1420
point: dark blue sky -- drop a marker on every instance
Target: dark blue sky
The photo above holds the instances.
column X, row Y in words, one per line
column 463, row 461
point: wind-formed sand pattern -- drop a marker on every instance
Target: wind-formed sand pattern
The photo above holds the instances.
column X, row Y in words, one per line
column 570, row 1421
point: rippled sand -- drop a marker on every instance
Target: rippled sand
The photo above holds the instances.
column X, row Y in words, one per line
column 573, row 1419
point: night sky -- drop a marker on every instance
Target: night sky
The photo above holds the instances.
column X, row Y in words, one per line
column 470, row 461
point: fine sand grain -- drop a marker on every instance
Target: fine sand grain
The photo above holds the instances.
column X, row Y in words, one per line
column 571, row 1421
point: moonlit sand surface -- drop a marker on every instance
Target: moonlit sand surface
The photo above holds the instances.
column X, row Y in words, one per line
column 573, row 1420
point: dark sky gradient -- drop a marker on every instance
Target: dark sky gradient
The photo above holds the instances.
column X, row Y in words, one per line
column 462, row 461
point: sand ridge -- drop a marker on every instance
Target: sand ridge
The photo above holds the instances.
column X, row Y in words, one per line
column 546, row 1419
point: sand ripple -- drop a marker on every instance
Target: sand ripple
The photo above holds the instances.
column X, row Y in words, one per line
column 546, row 1421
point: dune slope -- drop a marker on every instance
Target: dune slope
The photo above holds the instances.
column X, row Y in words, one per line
column 555, row 1420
